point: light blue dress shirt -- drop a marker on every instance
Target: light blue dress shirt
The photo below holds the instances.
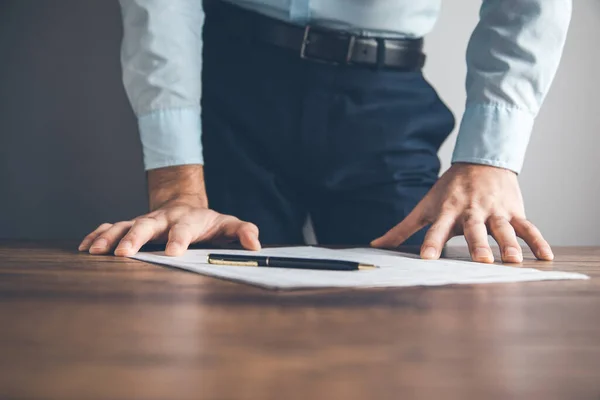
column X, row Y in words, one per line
column 512, row 58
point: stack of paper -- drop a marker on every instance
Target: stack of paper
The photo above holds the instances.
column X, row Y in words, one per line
column 395, row 270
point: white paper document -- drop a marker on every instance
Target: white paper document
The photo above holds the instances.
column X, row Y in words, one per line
column 396, row 269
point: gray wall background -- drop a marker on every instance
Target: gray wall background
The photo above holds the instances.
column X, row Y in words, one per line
column 70, row 156
column 69, row 153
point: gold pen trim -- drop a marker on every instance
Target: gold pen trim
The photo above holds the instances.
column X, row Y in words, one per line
column 362, row 267
column 234, row 263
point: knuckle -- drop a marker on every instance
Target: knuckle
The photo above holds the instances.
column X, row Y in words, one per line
column 448, row 213
column 177, row 212
column 185, row 225
column 476, row 238
column 488, row 202
column 506, row 235
column 445, row 218
column 229, row 222
column 518, row 221
column 171, row 214
column 535, row 244
column 471, row 221
column 507, row 241
column 182, row 226
column 430, row 242
column 250, row 227
column 131, row 236
column 425, row 219
column 484, row 201
column 474, row 233
column 530, row 229
column 471, row 214
column 434, row 229
column 473, row 204
column 499, row 227
column 437, row 229
column 152, row 214
column 106, row 237
column 178, row 239
column 89, row 238
column 497, row 220
column 228, row 218
column 452, row 201
column 423, row 216
column 537, row 240
column 146, row 220
column 191, row 218
column 105, row 225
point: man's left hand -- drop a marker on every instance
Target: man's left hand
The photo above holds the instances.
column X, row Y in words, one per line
column 472, row 200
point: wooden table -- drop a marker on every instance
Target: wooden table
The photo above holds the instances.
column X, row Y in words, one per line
column 75, row 326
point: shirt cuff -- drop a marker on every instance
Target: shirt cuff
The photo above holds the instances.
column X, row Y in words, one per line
column 171, row 137
column 493, row 135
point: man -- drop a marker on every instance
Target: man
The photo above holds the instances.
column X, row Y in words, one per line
column 319, row 107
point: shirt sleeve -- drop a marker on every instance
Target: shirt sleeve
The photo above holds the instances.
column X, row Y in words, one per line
column 161, row 56
column 512, row 59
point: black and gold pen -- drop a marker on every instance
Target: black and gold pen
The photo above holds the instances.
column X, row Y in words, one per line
column 286, row 262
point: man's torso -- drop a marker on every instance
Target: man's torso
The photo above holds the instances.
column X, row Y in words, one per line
column 392, row 18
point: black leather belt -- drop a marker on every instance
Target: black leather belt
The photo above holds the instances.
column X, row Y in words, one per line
column 317, row 43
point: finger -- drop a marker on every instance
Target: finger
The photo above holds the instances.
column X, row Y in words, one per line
column 405, row 229
column 109, row 238
column 180, row 237
column 248, row 234
column 437, row 236
column 87, row 241
column 245, row 232
column 505, row 236
column 477, row 239
column 534, row 239
column 142, row 231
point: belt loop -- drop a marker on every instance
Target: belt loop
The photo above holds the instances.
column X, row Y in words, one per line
column 380, row 53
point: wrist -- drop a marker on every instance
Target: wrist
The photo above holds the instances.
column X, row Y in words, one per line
column 180, row 183
column 480, row 167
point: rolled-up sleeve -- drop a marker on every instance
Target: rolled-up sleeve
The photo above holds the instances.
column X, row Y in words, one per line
column 161, row 56
column 512, row 59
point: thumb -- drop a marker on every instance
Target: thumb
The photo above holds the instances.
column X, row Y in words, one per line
column 401, row 232
column 245, row 232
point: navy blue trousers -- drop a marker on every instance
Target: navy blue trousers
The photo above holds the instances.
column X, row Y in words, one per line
column 355, row 148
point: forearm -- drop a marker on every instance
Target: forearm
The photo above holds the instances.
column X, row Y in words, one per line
column 184, row 182
column 512, row 58
column 162, row 67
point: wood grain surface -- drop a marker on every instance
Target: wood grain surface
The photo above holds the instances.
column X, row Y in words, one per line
column 75, row 326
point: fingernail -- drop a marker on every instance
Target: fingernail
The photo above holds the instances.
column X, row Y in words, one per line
column 546, row 252
column 123, row 247
column 429, row 252
column 173, row 248
column 380, row 242
column 83, row 246
column 511, row 252
column 482, row 252
column 100, row 244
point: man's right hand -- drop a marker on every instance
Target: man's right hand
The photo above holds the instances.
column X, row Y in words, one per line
column 180, row 217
